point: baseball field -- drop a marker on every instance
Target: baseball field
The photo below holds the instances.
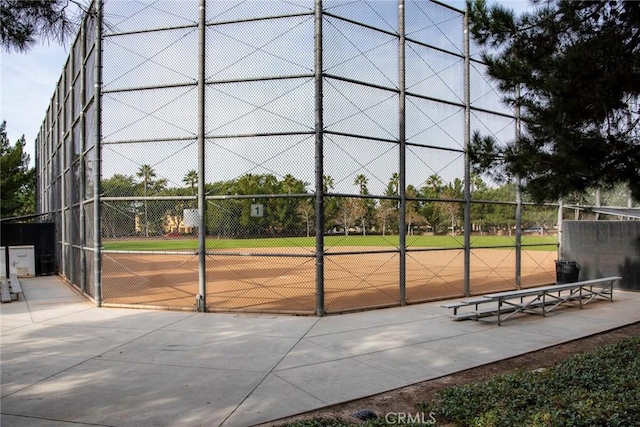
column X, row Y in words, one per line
column 280, row 274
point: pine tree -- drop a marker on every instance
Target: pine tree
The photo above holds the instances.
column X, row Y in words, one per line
column 17, row 180
column 24, row 22
column 577, row 67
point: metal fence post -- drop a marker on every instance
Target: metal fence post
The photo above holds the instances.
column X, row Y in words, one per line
column 467, row 159
column 82, row 183
column 560, row 217
column 518, row 198
column 97, row 167
column 403, row 139
column 201, row 304
column 319, row 162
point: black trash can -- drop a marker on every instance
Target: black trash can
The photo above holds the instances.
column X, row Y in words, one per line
column 46, row 266
column 567, row 271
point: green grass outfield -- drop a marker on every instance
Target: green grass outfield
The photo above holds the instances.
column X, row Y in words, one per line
column 544, row 243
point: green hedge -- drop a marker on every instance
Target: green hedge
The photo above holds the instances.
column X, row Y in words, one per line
column 593, row 389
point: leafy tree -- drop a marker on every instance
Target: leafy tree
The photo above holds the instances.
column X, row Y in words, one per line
column 452, row 210
column 249, row 184
column 412, row 210
column 118, row 217
column 618, row 195
column 24, row 22
column 331, row 204
column 539, row 216
column 17, row 180
column 385, row 213
column 494, row 216
column 349, row 210
column 286, row 209
column 576, row 65
column 479, row 211
column 306, row 211
column 222, row 216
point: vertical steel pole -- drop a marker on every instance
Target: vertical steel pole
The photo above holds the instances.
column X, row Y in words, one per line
column 560, row 216
column 634, row 134
column 66, row 265
column 518, row 197
column 319, row 134
column 39, row 153
column 82, row 182
column 97, row 166
column 402, row 136
column 467, row 159
column 201, row 303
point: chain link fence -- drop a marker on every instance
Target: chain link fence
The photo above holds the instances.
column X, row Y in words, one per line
column 281, row 156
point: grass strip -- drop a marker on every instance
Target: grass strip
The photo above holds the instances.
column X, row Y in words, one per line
column 545, row 243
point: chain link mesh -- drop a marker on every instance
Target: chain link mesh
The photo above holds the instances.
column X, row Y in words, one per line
column 260, row 159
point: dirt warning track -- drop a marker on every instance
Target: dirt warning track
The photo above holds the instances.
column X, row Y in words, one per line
column 273, row 282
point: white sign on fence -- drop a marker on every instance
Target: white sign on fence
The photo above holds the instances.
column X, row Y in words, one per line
column 190, row 217
column 257, row 210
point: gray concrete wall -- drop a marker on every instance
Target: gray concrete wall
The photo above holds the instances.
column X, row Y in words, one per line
column 604, row 248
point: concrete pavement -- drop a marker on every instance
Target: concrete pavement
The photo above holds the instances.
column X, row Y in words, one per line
column 66, row 363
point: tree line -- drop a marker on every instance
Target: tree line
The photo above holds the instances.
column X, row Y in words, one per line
column 570, row 66
column 289, row 206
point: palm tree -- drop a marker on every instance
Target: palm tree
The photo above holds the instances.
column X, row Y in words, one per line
column 147, row 174
column 434, row 184
column 393, row 185
column 327, row 183
column 191, row 179
column 290, row 184
column 362, row 182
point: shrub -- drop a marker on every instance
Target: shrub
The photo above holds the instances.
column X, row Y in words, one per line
column 599, row 388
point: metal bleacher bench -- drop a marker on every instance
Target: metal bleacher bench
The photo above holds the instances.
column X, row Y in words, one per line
column 16, row 288
column 10, row 289
column 540, row 300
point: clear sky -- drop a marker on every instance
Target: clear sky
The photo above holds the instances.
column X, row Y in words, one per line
column 27, row 82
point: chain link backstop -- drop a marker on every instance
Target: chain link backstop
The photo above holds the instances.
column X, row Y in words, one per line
column 281, row 156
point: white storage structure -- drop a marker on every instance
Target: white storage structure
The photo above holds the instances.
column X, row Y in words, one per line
column 22, row 260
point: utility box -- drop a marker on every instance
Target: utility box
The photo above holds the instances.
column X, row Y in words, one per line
column 3, row 262
column 22, row 260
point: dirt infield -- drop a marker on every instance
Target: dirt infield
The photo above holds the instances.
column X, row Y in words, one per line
column 273, row 282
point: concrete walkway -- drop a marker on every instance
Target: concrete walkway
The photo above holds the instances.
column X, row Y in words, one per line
column 67, row 363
